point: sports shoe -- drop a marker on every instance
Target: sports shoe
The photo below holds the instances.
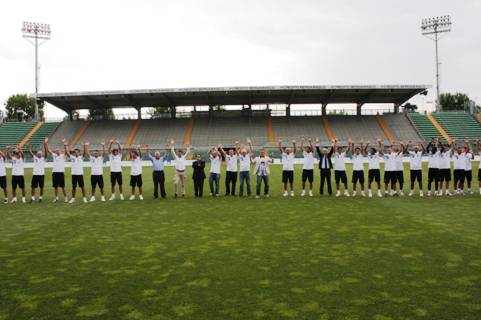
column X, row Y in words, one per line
column 5, row 201
column 40, row 199
column 310, row 193
column 429, row 193
column 303, row 193
column 421, row 194
column 338, row 193
column 448, row 193
column 65, row 200
column 470, row 191
column 379, row 193
column 292, row 193
column 392, row 193
column 346, row 193
column 121, row 196
column 354, row 193
column 72, row 200
column 55, row 199
column 285, row 194
column 14, row 200
column 112, row 197
column 410, row 194
column 386, row 192
column 141, row 197
column 132, row 197
column 32, row 199
column 24, row 200
column 102, row 198
column 369, row 192
column 363, row 193
column 266, row 196
column 401, row 193
column 257, row 197
column 85, row 200
column 92, row 199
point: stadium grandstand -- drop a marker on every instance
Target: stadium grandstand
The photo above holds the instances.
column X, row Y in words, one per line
column 203, row 129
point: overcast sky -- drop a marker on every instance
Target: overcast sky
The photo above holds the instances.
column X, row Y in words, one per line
column 101, row 45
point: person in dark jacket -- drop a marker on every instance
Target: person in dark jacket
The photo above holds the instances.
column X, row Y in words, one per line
column 325, row 166
column 198, row 176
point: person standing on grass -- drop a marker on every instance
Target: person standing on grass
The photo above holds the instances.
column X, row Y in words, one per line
column 445, row 157
column 158, row 175
column 325, row 166
column 3, row 177
column 261, row 170
column 308, row 166
column 288, row 156
column 179, row 175
column 232, row 158
column 374, row 169
column 459, row 159
column 38, row 174
column 97, row 170
column 245, row 160
column 215, row 156
column 390, row 170
column 399, row 167
column 478, row 144
column 358, row 168
column 115, row 156
column 18, row 172
column 58, row 171
column 77, row 170
column 340, row 167
column 416, row 166
column 136, row 173
column 469, row 165
column 433, row 166
column 198, row 176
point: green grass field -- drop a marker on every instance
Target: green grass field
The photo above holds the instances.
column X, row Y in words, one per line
column 231, row 258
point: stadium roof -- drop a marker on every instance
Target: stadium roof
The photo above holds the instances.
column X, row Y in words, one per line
column 395, row 94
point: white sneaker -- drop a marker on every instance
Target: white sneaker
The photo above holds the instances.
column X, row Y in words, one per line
column 303, row 193
column 72, row 200
column 102, row 198
column 346, row 193
column 55, row 199
column 354, row 193
column 257, row 197
column 5, row 201
column 440, row 194
column 363, row 193
column 369, row 193
column 65, row 200
column 421, row 194
column 392, row 193
column 112, row 197
column 379, row 193
column 132, row 197
column 338, row 193
column 410, row 194
column 429, row 193
column 285, row 194
column 470, row 191
column 401, row 193
column 32, row 199
column 85, row 200
column 292, row 193
column 310, row 193
column 121, row 196
column 92, row 199
column 24, row 200
column 14, row 200
column 266, row 196
column 448, row 193
column 141, row 197
column 386, row 192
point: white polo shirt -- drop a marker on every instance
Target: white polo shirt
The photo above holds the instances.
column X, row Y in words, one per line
column 415, row 160
column 136, row 166
column 373, row 161
column 399, row 162
column 339, row 161
column 357, row 162
column 459, row 161
column 469, row 161
column 38, row 166
column 18, row 167
column 433, row 160
column 245, row 163
column 97, row 164
column 77, row 165
column 231, row 163
column 445, row 160
column 3, row 167
column 288, row 161
column 115, row 163
column 215, row 163
column 390, row 162
column 58, row 162
column 308, row 160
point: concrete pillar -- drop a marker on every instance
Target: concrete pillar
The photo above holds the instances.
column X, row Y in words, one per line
column 324, row 109
column 396, row 107
column 288, row 110
column 139, row 112
column 172, row 112
column 70, row 115
column 358, row 109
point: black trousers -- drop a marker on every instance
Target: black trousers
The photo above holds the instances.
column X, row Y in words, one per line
column 326, row 177
column 159, row 180
column 199, row 187
column 230, row 180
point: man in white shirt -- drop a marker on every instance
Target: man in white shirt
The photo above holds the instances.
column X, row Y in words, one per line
column 136, row 173
column 179, row 175
column 308, row 166
column 357, row 168
column 459, row 159
column 445, row 157
column 232, row 158
column 215, row 156
column 77, row 174
column 97, row 170
column 245, row 159
column 390, row 171
column 416, row 166
column 340, row 167
column 18, row 172
column 38, row 175
column 288, row 155
column 3, row 177
column 262, row 172
column 469, row 165
column 433, row 166
column 478, row 144
column 374, row 169
column 115, row 157
column 399, row 167
column 58, row 170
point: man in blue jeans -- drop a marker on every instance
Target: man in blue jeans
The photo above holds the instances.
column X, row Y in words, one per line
column 262, row 172
column 215, row 156
column 245, row 159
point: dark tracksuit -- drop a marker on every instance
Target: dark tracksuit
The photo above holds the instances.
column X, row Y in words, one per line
column 198, row 176
column 326, row 172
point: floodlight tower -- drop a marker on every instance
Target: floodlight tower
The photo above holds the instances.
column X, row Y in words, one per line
column 37, row 34
column 434, row 28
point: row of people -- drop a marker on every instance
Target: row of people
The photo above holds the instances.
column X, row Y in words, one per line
column 239, row 160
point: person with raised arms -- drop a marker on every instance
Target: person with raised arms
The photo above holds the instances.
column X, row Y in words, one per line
column 77, row 173
column 357, row 158
column 262, row 172
column 308, row 166
column 415, row 166
column 245, row 160
column 459, row 164
column 325, row 166
column 478, row 144
column 215, row 156
column 399, row 168
column 469, row 165
column 198, row 175
column 158, row 175
column 373, row 167
column 340, row 175
column 288, row 155
column 38, row 174
column 136, row 173
column 115, row 157
column 179, row 175
column 3, row 177
column 390, row 157
column 445, row 158
column 58, row 170
column 18, row 172
column 231, row 158
column 433, row 166
column 97, row 170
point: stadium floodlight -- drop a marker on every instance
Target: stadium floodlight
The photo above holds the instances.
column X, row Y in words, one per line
column 33, row 32
column 434, row 28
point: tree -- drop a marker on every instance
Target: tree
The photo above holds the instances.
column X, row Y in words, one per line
column 450, row 102
column 24, row 103
column 408, row 107
column 160, row 112
column 101, row 113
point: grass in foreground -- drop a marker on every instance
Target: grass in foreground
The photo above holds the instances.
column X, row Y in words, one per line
column 230, row 258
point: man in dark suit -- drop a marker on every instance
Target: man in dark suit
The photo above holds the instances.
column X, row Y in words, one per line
column 198, row 176
column 325, row 166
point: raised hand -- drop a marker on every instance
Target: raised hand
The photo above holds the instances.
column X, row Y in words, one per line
column 293, row 141
column 172, row 141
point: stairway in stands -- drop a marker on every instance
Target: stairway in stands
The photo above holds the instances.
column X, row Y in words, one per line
column 424, row 126
column 46, row 130
column 12, row 133
column 459, row 125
